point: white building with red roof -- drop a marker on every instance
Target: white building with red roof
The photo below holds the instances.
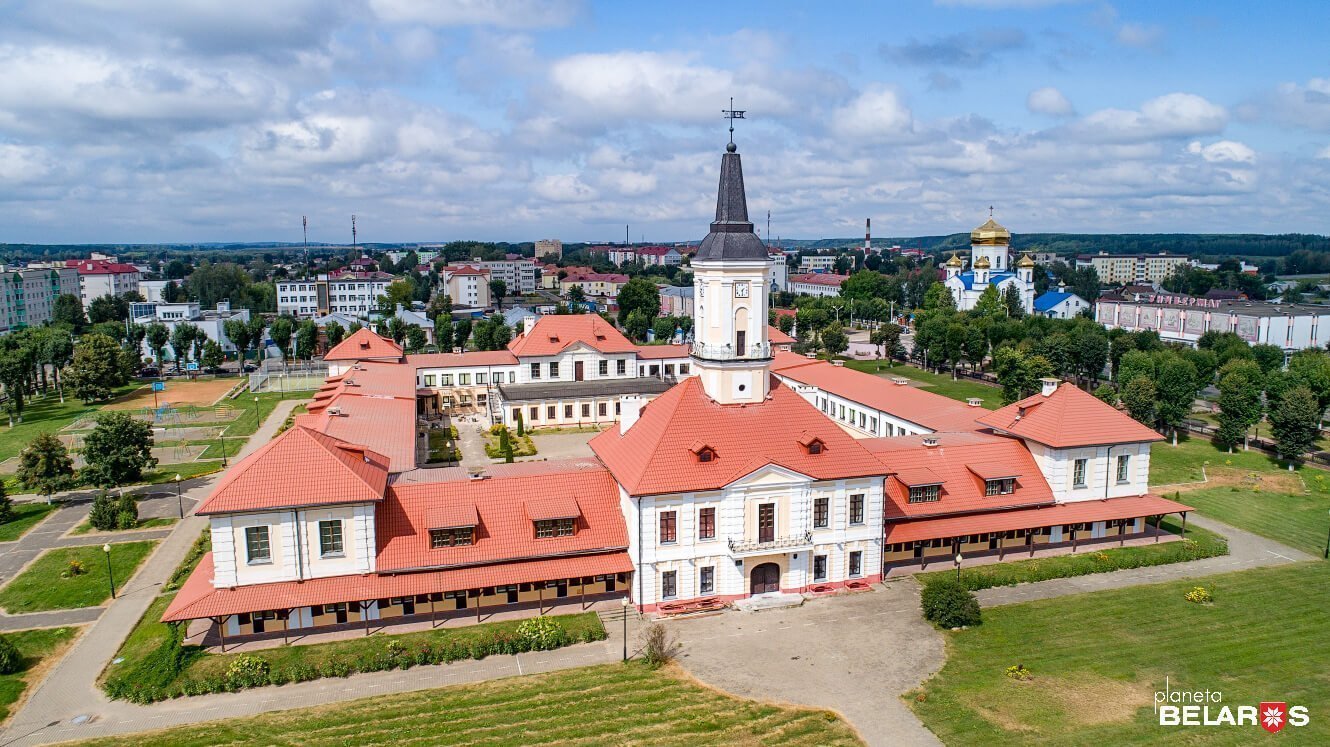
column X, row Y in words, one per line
column 468, row 286
column 104, row 277
column 749, row 473
column 817, row 284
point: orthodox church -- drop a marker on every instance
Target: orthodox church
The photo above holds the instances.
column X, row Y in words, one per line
column 990, row 265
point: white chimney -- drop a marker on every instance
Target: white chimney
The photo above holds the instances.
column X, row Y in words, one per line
column 528, row 324
column 1050, row 386
column 630, row 408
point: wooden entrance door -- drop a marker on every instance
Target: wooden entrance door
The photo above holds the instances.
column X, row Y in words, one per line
column 577, row 371
column 740, row 340
column 766, row 522
column 765, row 578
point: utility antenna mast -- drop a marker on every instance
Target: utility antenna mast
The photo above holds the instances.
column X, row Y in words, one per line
column 304, row 230
column 353, row 231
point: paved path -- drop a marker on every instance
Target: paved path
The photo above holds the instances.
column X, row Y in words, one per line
column 70, row 690
column 853, row 654
column 1245, row 550
column 471, row 442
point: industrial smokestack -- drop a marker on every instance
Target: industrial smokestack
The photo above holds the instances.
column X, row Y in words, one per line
column 868, row 235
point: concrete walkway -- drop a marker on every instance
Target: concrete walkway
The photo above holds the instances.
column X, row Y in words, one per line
column 1245, row 550
column 70, row 690
column 471, row 442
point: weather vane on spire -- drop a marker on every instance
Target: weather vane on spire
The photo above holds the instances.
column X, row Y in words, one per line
column 732, row 114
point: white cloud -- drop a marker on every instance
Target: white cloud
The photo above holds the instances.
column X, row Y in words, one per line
column 876, row 114
column 1139, row 35
column 1229, row 151
column 564, row 188
column 525, row 14
column 1171, row 115
column 1305, row 106
column 1050, row 101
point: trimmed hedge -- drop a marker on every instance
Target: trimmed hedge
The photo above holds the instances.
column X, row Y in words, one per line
column 948, row 604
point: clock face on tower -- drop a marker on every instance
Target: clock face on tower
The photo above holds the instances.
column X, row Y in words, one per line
column 741, row 290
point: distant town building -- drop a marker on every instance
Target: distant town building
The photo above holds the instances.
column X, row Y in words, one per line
column 990, row 265
column 1060, row 304
column 1114, row 269
column 659, row 256
column 817, row 263
column 676, row 300
column 104, row 277
column 1184, row 319
column 595, row 284
column 779, row 277
column 817, row 284
column 468, row 286
column 517, row 273
column 212, row 323
column 154, row 291
column 546, row 247
column 351, row 293
column 27, row 295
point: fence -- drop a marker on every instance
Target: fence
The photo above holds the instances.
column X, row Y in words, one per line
column 1263, row 445
column 279, row 376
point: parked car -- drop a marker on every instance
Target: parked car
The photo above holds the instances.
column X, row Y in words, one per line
column 250, row 367
column 149, row 371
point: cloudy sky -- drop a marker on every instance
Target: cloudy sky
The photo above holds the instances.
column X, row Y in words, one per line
column 199, row 120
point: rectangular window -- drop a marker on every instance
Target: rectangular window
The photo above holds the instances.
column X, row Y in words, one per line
column 604, row 368
column 857, row 508
column 821, row 513
column 683, row 369
column 857, row 563
column 668, row 527
column 601, row 409
column 1078, row 473
column 706, row 580
column 330, row 538
column 568, row 412
column 464, row 379
column 621, row 367
column 546, row 528
column 669, row 586
column 455, row 537
column 480, row 378
column 512, row 377
column 819, row 568
column 256, row 543
column 586, row 410
column 534, row 413
column 430, row 379
column 446, row 379
column 924, row 493
column 1124, row 460
column 535, row 370
column 554, row 370
column 706, row 523
column 551, row 413
column 1005, row 486
column 766, row 522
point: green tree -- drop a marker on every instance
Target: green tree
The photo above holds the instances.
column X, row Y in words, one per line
column 182, row 338
column 439, row 306
column 415, row 338
column 1268, row 357
column 887, row 338
column 1175, row 388
column 864, row 285
column 157, row 335
column 1018, row 373
column 213, row 356
column 1107, row 394
column 68, row 309
column 785, row 323
column 1135, row 363
column 57, row 352
column 1295, row 423
column 506, row 446
column 95, row 368
column 398, row 293
column 15, row 369
column 237, row 331
column 118, row 450
column 257, row 329
column 1138, row 396
column 396, row 329
column 307, row 339
column 280, row 331
column 1311, row 368
column 834, row 340
column 938, row 296
column 577, row 300
column 335, row 333
column 641, row 295
column 663, row 329
column 636, row 325
column 1239, row 403
column 108, row 309
column 1011, row 299
column 990, row 303
column 498, row 289
column 443, row 333
column 461, row 333
column 45, row 466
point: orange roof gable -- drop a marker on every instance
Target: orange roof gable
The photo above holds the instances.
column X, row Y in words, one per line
column 776, row 337
column 657, row 454
column 1068, row 418
column 301, row 467
column 553, row 333
column 364, row 345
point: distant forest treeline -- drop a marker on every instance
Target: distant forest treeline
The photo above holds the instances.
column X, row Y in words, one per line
column 1253, row 245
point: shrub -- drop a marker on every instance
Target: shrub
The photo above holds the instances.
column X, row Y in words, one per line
column 948, row 604
column 75, row 568
column 1200, row 595
column 146, row 681
column 542, row 633
column 102, row 515
column 10, row 659
column 247, row 671
column 1019, row 672
column 126, row 520
column 658, row 646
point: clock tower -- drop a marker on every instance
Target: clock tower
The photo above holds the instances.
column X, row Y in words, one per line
column 730, row 351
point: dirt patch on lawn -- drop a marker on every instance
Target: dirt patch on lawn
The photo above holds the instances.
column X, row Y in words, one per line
column 179, row 393
column 1274, row 482
column 1097, row 700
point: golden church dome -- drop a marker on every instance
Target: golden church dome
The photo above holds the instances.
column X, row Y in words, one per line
column 982, row 263
column 991, row 233
column 1025, row 261
column 955, row 261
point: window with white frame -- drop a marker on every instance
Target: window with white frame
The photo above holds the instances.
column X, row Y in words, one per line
column 1003, row 486
column 669, row 584
column 1124, row 462
column 257, row 546
column 925, row 493
column 330, row 538
column 1078, row 473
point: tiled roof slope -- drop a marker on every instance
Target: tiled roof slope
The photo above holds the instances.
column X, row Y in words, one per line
column 658, row 454
column 1068, row 418
column 958, row 461
column 555, row 332
column 387, row 425
column 506, row 531
column 776, row 337
column 932, row 411
column 659, row 352
column 364, row 345
column 1074, row 512
column 301, row 467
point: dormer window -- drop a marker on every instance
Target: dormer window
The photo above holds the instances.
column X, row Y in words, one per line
column 455, row 537
column 546, row 528
column 925, row 493
column 1004, row 486
column 704, row 452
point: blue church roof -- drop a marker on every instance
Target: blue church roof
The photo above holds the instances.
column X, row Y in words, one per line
column 967, row 278
column 1050, row 299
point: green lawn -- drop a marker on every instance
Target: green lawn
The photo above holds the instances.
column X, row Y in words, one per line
column 26, row 516
column 1170, row 464
column 247, row 423
column 34, row 646
column 1091, row 559
column 608, row 704
column 961, row 389
column 1098, row 659
column 42, row 587
column 48, row 414
column 155, row 522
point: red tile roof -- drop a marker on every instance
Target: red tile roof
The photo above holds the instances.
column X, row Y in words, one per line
column 918, row 406
column 199, row 599
column 301, row 467
column 364, row 345
column 465, row 270
column 776, row 337
column 385, row 424
column 952, row 463
column 553, row 333
column 545, row 508
column 1074, row 512
column 503, row 504
column 661, row 352
column 1068, row 418
column 656, row 454
column 820, row 278
column 100, row 267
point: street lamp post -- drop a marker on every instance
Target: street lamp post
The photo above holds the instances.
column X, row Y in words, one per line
column 256, row 412
column 109, row 573
column 958, row 567
column 1327, row 545
column 221, row 437
column 623, row 603
column 179, row 502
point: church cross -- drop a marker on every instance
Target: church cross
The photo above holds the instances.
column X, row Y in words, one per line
column 732, row 114
column 990, row 211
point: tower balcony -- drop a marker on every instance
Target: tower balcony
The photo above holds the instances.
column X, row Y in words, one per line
column 727, row 352
column 742, row 547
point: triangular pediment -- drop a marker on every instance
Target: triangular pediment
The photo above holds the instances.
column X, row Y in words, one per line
column 769, row 474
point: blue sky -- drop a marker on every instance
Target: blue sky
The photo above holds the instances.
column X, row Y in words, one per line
column 185, row 120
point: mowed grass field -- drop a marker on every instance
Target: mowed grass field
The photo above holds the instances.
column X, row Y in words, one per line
column 35, row 647
column 1098, row 659
column 46, row 583
column 610, row 704
column 961, row 389
column 25, row 517
column 47, row 414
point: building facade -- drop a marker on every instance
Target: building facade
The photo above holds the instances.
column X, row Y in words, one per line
column 27, row 295
column 548, row 247
column 990, row 265
column 1183, row 319
column 468, row 286
column 817, row 284
column 1123, row 269
column 211, row 322
column 104, row 277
